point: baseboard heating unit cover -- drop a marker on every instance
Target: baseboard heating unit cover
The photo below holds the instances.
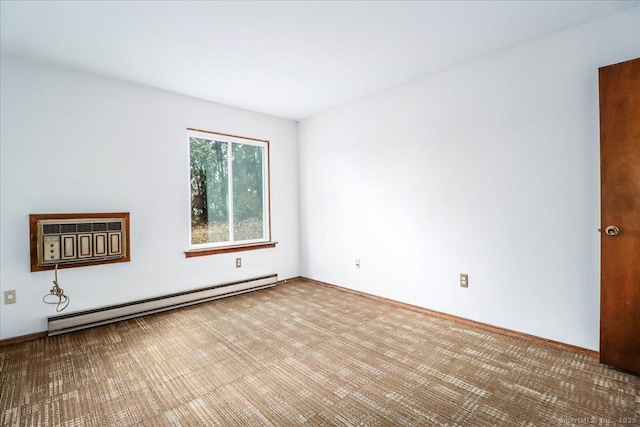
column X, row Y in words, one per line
column 101, row 316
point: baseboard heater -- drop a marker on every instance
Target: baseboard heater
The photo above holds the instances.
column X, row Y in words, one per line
column 101, row 316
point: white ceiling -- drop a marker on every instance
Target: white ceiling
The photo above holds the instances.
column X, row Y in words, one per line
column 291, row 59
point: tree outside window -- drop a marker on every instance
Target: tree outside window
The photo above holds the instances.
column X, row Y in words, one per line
column 229, row 200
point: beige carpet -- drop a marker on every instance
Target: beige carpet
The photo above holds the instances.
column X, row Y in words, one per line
column 305, row 354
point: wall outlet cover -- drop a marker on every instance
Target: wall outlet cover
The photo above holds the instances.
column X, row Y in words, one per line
column 464, row 280
column 10, row 297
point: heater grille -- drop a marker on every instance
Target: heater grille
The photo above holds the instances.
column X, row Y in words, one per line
column 73, row 240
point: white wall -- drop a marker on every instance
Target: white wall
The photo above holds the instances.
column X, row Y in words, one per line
column 62, row 131
column 490, row 169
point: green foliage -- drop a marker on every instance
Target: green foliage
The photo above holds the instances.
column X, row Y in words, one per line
column 247, row 182
column 210, row 190
column 209, row 180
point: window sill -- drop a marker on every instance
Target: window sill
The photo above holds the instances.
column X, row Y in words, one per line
column 226, row 249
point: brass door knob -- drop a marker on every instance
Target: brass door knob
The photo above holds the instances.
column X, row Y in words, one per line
column 612, row 230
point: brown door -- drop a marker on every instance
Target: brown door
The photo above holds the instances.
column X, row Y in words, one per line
column 620, row 216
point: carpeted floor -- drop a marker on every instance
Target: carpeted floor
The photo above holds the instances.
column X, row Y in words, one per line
column 310, row 355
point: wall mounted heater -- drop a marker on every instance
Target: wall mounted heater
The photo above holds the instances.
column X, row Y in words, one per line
column 78, row 239
column 101, row 316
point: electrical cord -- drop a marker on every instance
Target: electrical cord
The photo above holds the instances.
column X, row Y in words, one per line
column 57, row 291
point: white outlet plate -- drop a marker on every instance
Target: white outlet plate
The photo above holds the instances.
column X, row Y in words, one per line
column 238, row 262
column 10, row 297
column 464, row 280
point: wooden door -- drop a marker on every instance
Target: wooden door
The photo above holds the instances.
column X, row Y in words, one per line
column 620, row 193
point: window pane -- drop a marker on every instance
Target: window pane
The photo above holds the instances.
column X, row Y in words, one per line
column 248, row 206
column 209, row 191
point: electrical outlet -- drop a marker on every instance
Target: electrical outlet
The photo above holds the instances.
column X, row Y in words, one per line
column 464, row 280
column 357, row 263
column 10, row 297
column 238, row 262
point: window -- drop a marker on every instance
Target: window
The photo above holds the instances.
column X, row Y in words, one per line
column 229, row 191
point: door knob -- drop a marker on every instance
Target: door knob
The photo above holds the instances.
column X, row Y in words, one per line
column 612, row 230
